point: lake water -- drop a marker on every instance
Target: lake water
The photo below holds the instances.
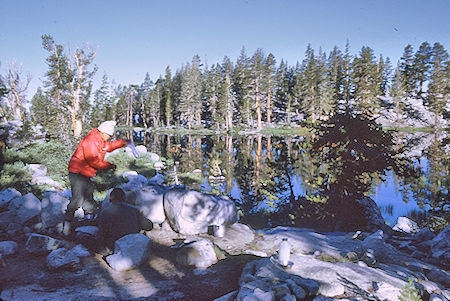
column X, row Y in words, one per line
column 241, row 166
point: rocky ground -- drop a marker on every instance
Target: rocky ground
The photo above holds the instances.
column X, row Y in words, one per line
column 324, row 266
column 25, row 277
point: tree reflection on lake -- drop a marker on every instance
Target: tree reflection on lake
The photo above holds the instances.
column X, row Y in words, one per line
column 265, row 172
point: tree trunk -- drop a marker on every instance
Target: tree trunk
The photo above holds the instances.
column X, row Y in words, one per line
column 258, row 105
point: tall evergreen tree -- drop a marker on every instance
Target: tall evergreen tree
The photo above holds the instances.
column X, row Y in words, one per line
column 366, row 88
column 145, row 102
column 40, row 108
column 326, row 103
column 102, row 108
column 336, row 73
column 190, row 106
column 282, row 91
column 256, row 83
column 270, row 83
column 398, row 94
column 167, row 101
column 347, row 80
column 226, row 96
column 308, row 85
column 154, row 103
column 57, row 82
column 213, row 79
column 241, row 88
column 422, row 65
column 438, row 89
column 385, row 74
column 407, row 69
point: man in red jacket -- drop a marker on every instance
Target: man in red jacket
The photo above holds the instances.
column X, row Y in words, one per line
column 87, row 159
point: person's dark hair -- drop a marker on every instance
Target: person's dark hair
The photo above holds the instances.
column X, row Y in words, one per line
column 117, row 195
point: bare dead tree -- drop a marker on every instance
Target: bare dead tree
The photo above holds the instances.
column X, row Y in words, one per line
column 81, row 59
column 16, row 85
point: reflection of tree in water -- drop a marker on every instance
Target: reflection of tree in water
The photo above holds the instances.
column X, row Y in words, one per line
column 339, row 164
column 244, row 173
column 348, row 155
column 431, row 189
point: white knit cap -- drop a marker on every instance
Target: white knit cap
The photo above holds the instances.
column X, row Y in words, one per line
column 107, row 127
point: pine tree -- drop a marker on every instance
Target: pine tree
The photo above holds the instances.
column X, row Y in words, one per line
column 57, row 82
column 190, row 106
column 308, row 85
column 336, row 73
column 241, row 88
column 176, row 85
column 256, row 84
column 226, row 96
column 120, row 111
column 154, row 103
column 438, row 89
column 407, row 69
column 422, row 65
column 145, row 103
column 102, row 107
column 366, row 88
column 40, row 108
column 385, row 73
column 270, row 83
column 398, row 94
column 347, row 80
column 68, row 86
column 295, row 98
column 282, row 97
column 326, row 103
column 211, row 95
column 167, row 102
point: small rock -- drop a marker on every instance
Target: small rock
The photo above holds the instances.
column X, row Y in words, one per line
column 61, row 259
column 8, row 247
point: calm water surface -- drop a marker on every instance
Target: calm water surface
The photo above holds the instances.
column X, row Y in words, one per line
column 239, row 166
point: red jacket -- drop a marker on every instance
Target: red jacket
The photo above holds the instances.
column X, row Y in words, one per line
column 90, row 154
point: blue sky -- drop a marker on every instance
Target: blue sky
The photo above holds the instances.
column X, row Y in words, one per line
column 135, row 37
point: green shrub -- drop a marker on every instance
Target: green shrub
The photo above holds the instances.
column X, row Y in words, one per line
column 16, row 176
column 55, row 155
column 409, row 292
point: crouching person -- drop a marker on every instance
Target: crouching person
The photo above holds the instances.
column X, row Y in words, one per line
column 117, row 220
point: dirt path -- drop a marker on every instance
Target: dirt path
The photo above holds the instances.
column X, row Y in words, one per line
column 26, row 277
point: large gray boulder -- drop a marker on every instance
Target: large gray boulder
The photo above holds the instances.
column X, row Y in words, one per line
column 54, row 205
column 27, row 207
column 149, row 200
column 191, row 212
column 440, row 248
column 7, row 195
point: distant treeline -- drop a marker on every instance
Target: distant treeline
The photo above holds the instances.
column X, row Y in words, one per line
column 252, row 92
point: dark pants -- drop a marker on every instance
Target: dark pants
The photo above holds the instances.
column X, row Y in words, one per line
column 82, row 195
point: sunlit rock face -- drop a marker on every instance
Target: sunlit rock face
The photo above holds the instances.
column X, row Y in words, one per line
column 191, row 212
column 149, row 200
